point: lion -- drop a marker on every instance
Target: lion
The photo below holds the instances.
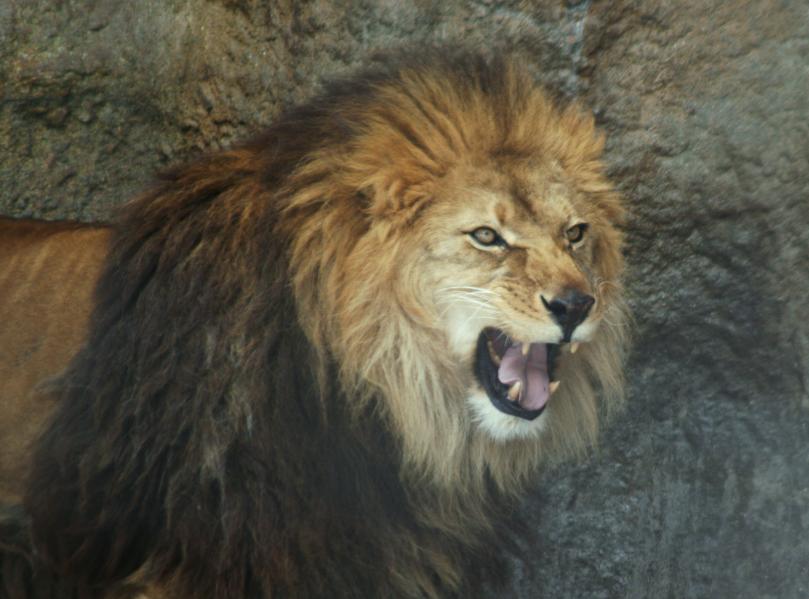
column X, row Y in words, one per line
column 327, row 362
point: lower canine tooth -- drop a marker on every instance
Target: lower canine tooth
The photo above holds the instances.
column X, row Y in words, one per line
column 526, row 347
column 553, row 386
column 514, row 391
column 574, row 347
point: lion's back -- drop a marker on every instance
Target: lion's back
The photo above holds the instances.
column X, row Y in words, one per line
column 47, row 276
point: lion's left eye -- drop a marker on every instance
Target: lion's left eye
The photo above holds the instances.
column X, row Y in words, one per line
column 487, row 236
column 576, row 233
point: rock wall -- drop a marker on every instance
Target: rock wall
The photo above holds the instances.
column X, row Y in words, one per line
column 701, row 489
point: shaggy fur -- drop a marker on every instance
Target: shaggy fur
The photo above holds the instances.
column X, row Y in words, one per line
column 269, row 403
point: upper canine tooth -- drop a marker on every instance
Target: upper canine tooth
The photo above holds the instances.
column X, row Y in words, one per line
column 526, row 347
column 493, row 354
column 553, row 386
column 574, row 347
column 514, row 391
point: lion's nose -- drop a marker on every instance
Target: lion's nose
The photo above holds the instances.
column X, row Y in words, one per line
column 569, row 309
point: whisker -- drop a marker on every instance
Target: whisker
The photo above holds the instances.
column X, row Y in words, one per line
column 479, row 308
column 467, row 298
column 466, row 288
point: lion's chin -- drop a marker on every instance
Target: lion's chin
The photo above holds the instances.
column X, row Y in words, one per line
column 500, row 426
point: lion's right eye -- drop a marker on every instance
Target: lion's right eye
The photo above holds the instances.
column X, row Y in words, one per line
column 487, row 236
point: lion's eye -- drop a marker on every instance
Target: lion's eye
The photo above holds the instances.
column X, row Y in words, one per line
column 576, row 233
column 487, row 236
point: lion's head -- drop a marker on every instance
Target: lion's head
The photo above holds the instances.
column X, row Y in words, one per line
column 459, row 256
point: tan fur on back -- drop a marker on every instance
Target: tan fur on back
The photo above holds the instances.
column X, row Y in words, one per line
column 47, row 275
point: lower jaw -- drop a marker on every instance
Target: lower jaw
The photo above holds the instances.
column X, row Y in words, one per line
column 513, row 409
column 500, row 427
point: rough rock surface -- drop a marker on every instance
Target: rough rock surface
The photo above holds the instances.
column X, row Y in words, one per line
column 701, row 489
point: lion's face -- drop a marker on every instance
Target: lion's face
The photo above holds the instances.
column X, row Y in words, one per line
column 509, row 251
column 461, row 261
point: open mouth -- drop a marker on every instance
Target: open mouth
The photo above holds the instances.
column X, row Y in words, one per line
column 518, row 377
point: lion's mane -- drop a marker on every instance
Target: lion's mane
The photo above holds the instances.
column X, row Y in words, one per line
column 259, row 410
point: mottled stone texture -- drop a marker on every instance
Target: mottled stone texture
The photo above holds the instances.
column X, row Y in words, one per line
column 701, row 489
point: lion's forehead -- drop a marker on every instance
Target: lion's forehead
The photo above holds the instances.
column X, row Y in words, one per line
column 531, row 190
column 519, row 209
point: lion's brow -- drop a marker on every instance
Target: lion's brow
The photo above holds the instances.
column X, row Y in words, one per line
column 521, row 197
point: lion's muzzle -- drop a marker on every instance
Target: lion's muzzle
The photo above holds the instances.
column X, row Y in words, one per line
column 569, row 309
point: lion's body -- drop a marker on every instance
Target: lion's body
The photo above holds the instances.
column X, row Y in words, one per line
column 275, row 395
column 47, row 275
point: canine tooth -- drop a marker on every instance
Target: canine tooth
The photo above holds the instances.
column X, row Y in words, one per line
column 574, row 347
column 493, row 354
column 553, row 386
column 514, row 391
column 526, row 347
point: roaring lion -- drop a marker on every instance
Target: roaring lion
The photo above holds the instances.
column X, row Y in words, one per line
column 324, row 363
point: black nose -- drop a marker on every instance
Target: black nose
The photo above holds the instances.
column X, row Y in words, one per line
column 569, row 309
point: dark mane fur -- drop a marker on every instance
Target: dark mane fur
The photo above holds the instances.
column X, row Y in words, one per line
column 193, row 446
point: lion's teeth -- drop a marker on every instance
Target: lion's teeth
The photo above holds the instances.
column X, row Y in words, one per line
column 553, row 386
column 493, row 354
column 574, row 347
column 526, row 347
column 514, row 391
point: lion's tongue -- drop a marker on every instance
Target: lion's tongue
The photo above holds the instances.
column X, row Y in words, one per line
column 532, row 370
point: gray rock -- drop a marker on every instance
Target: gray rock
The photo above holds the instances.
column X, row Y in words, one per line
column 701, row 488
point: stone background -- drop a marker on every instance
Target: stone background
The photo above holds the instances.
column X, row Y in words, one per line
column 701, row 489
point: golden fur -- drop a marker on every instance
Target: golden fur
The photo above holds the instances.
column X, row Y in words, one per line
column 371, row 214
